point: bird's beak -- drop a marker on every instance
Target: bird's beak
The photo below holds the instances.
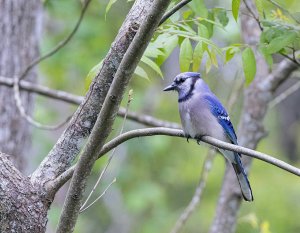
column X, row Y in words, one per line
column 170, row 87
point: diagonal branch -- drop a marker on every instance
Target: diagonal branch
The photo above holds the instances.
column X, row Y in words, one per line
column 106, row 117
column 60, row 44
column 173, row 10
column 69, row 143
column 17, row 79
column 137, row 133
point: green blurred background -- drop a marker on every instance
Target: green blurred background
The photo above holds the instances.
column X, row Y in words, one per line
column 157, row 176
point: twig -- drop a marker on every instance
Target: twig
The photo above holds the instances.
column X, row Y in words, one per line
column 198, row 192
column 60, row 44
column 173, row 10
column 106, row 117
column 284, row 94
column 17, row 79
column 98, row 198
column 27, row 117
column 64, row 177
column 75, row 99
column 110, row 157
column 284, row 10
column 290, row 58
column 253, row 14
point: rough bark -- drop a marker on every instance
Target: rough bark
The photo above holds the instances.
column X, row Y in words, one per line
column 22, row 208
column 82, row 122
column 105, row 120
column 19, row 26
column 251, row 130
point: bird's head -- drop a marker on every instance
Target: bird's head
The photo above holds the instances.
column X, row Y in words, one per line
column 184, row 84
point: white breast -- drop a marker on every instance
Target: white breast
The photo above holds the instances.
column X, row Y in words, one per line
column 188, row 127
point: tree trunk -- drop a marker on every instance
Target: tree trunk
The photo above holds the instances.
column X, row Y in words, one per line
column 23, row 208
column 19, row 20
column 251, row 129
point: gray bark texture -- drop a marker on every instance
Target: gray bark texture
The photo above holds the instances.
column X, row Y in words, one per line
column 251, row 130
column 22, row 207
column 19, row 28
column 105, row 120
column 25, row 201
column 68, row 145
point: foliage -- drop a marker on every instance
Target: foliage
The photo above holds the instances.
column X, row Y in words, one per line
column 193, row 31
column 157, row 176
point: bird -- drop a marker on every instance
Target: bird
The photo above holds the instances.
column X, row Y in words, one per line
column 202, row 114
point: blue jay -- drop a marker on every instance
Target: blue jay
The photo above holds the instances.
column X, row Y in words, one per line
column 202, row 114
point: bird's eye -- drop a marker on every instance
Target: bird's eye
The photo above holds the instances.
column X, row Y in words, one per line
column 181, row 80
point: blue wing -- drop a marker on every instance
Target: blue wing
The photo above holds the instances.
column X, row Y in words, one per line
column 220, row 113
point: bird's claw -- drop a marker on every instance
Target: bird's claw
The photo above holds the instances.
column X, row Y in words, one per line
column 199, row 139
column 187, row 138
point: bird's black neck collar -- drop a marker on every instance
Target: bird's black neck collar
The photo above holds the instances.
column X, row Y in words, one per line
column 189, row 94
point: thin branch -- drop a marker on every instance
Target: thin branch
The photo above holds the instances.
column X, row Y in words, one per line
column 60, row 44
column 16, row 88
column 253, row 14
column 28, row 118
column 198, row 192
column 106, row 117
column 284, row 10
column 284, row 94
column 173, row 10
column 64, row 177
column 110, row 157
column 290, row 58
column 75, row 99
column 98, row 198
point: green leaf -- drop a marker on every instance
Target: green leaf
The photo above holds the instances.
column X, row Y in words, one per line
column 207, row 65
column 109, row 4
column 249, row 65
column 260, row 8
column 152, row 65
column 197, row 56
column 235, row 8
column 199, row 8
column 187, row 28
column 230, row 52
column 185, row 55
column 203, row 31
column 168, row 47
column 222, row 17
column 280, row 42
column 92, row 74
column 268, row 57
column 153, row 51
column 213, row 58
column 139, row 71
column 209, row 23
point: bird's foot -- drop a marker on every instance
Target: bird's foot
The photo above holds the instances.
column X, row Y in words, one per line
column 188, row 137
column 198, row 139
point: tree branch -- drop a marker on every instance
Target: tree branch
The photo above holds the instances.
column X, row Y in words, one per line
column 69, row 144
column 75, row 99
column 251, row 129
column 137, row 133
column 17, row 79
column 173, row 10
column 60, row 45
column 105, row 119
